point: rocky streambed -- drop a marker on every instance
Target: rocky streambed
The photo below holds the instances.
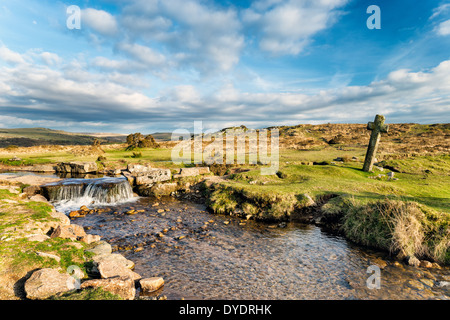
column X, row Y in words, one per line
column 205, row 256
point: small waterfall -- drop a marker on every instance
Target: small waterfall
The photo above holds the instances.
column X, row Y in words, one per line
column 71, row 194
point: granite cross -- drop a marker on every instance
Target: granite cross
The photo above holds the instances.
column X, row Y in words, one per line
column 377, row 128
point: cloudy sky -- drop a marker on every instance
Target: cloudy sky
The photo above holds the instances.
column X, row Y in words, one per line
column 159, row 65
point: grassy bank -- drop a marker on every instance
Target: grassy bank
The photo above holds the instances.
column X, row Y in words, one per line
column 410, row 216
column 20, row 220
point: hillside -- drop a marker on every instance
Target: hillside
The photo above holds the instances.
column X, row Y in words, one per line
column 28, row 137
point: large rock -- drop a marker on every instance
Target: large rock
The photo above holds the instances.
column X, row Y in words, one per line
column 121, row 286
column 190, row 172
column 38, row 198
column 110, row 269
column 137, row 169
column 90, row 238
column 47, row 282
column 101, row 248
column 153, row 176
column 151, row 284
column 113, row 258
column 163, row 189
column 72, row 231
column 77, row 167
column 62, row 218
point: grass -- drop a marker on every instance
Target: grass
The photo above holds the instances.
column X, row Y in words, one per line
column 18, row 254
column 401, row 227
column 418, row 152
column 87, row 294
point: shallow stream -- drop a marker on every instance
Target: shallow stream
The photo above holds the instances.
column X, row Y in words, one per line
column 205, row 256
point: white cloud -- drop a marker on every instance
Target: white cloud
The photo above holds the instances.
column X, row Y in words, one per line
column 10, row 56
column 287, row 26
column 199, row 36
column 99, row 20
column 50, row 58
column 55, row 94
column 439, row 10
column 444, row 28
column 142, row 54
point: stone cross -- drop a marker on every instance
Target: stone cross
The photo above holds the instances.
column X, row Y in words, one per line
column 377, row 128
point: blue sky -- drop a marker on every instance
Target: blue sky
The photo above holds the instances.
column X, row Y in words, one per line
column 159, row 65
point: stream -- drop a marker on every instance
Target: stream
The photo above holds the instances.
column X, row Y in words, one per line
column 206, row 256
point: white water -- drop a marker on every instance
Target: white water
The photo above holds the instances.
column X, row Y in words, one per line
column 71, row 194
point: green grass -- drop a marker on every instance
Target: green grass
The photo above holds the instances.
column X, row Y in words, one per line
column 20, row 254
column 348, row 178
column 87, row 294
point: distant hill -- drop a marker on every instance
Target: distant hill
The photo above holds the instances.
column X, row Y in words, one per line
column 27, row 137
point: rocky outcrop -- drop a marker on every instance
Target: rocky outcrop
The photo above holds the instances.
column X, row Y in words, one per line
column 77, row 167
column 47, row 282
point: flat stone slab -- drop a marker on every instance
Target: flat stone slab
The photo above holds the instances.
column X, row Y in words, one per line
column 153, row 176
column 121, row 286
column 47, row 282
column 77, row 167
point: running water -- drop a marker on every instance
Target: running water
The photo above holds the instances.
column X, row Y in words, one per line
column 71, row 194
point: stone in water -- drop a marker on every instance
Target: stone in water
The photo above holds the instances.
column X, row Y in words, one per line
column 377, row 128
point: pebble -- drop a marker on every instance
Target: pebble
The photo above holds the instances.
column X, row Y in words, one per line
column 427, row 282
column 416, row 284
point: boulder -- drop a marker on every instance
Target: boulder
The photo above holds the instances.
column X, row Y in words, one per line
column 164, row 189
column 38, row 198
column 153, row 176
column 121, row 286
column 191, row 172
column 137, row 169
column 102, row 247
column 90, row 238
column 110, row 269
column 151, row 284
column 31, row 190
column 72, row 231
column 113, row 258
column 77, row 167
column 47, row 282
column 425, row 264
column 413, row 261
column 62, row 218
